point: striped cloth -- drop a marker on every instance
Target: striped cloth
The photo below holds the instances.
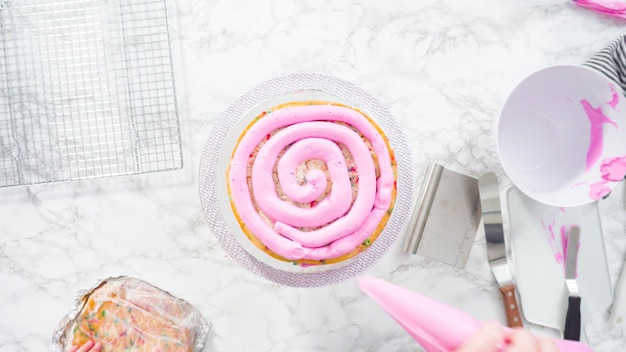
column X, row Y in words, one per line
column 611, row 61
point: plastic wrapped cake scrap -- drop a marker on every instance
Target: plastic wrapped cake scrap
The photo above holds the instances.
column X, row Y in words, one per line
column 127, row 314
column 607, row 7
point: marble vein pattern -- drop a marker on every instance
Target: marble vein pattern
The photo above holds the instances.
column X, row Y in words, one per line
column 443, row 68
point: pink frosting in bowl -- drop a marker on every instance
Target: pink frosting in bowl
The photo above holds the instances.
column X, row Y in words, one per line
column 561, row 135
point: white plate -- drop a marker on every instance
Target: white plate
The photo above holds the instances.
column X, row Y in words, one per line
column 535, row 232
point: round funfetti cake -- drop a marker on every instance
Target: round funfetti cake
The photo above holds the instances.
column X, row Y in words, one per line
column 312, row 182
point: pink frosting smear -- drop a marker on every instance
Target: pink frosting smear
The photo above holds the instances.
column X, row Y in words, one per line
column 613, row 169
column 614, row 97
column 557, row 251
column 437, row 327
column 599, row 190
column 607, row 7
column 565, row 244
column 564, row 241
column 559, row 248
column 310, row 132
column 596, row 119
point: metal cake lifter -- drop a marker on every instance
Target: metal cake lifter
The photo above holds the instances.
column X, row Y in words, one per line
column 445, row 219
column 496, row 247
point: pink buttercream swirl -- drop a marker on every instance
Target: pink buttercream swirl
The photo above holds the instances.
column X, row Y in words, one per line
column 290, row 136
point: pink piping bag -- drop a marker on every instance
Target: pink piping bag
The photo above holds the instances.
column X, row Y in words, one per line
column 608, row 7
column 436, row 326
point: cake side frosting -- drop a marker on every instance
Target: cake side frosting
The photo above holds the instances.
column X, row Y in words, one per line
column 337, row 224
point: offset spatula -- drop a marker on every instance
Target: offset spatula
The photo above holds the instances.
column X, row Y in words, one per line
column 572, row 319
column 496, row 248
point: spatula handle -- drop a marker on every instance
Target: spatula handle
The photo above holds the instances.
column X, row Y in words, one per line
column 513, row 315
column 572, row 320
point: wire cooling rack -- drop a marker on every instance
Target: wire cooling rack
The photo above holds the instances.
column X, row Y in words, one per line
column 86, row 90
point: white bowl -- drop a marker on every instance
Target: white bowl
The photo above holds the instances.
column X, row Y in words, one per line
column 561, row 135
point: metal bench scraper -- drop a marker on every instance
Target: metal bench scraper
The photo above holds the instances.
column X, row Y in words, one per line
column 446, row 217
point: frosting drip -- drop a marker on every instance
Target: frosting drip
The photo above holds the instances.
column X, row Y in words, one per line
column 286, row 138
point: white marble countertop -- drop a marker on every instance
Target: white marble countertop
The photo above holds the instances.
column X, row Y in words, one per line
column 442, row 67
